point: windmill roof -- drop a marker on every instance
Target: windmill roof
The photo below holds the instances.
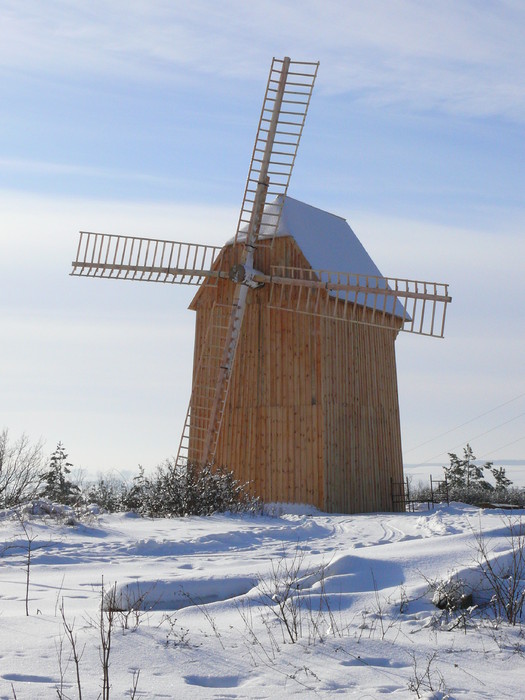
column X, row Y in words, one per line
column 327, row 242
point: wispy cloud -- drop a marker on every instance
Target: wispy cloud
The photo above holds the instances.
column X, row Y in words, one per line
column 463, row 57
column 38, row 167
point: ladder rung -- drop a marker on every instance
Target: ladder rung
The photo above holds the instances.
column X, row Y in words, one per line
column 291, row 113
column 298, row 92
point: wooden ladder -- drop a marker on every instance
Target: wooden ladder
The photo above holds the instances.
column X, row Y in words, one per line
column 203, row 412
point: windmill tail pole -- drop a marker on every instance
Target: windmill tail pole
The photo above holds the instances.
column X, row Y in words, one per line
column 281, row 121
column 221, row 391
column 239, row 300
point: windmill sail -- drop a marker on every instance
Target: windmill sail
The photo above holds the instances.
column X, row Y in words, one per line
column 283, row 114
column 387, row 302
column 145, row 259
column 281, row 123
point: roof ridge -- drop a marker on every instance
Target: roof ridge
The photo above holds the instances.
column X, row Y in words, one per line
column 324, row 211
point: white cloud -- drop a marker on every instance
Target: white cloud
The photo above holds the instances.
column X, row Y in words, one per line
column 46, row 221
column 48, row 168
column 458, row 57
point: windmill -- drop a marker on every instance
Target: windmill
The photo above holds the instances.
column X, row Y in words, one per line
column 294, row 379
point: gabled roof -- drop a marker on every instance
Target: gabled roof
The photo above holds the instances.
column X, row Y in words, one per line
column 327, row 242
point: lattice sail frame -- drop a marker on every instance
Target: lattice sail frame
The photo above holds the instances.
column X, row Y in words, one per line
column 146, row 259
column 281, row 123
column 411, row 306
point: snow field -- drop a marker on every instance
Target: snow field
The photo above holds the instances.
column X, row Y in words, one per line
column 296, row 604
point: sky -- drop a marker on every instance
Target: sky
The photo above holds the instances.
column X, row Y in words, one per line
column 139, row 118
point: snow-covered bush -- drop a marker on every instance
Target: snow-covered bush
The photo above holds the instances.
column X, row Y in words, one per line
column 504, row 572
column 108, row 493
column 475, row 496
column 452, row 594
column 494, row 583
column 174, row 491
column 191, row 489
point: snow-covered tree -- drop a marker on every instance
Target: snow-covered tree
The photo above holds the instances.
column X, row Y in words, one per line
column 466, row 474
column 58, row 487
column 500, row 477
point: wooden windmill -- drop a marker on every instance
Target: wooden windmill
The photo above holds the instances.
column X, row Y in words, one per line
column 294, row 377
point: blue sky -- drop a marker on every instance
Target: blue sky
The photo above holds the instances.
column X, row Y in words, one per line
column 139, row 118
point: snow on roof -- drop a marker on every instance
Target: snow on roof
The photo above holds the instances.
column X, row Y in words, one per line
column 327, row 242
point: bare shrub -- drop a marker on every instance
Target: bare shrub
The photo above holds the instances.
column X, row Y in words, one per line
column 505, row 574
column 280, row 594
column 75, row 655
column 20, row 469
column 427, row 678
column 495, row 582
column 383, row 616
column 263, row 651
column 295, row 596
column 128, row 606
column 106, row 626
column 28, row 547
column 176, row 635
column 30, row 540
column 134, row 684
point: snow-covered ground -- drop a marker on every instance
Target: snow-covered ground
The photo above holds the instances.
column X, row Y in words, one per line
column 360, row 625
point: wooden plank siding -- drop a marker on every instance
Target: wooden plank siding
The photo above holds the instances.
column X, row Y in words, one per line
column 312, row 413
